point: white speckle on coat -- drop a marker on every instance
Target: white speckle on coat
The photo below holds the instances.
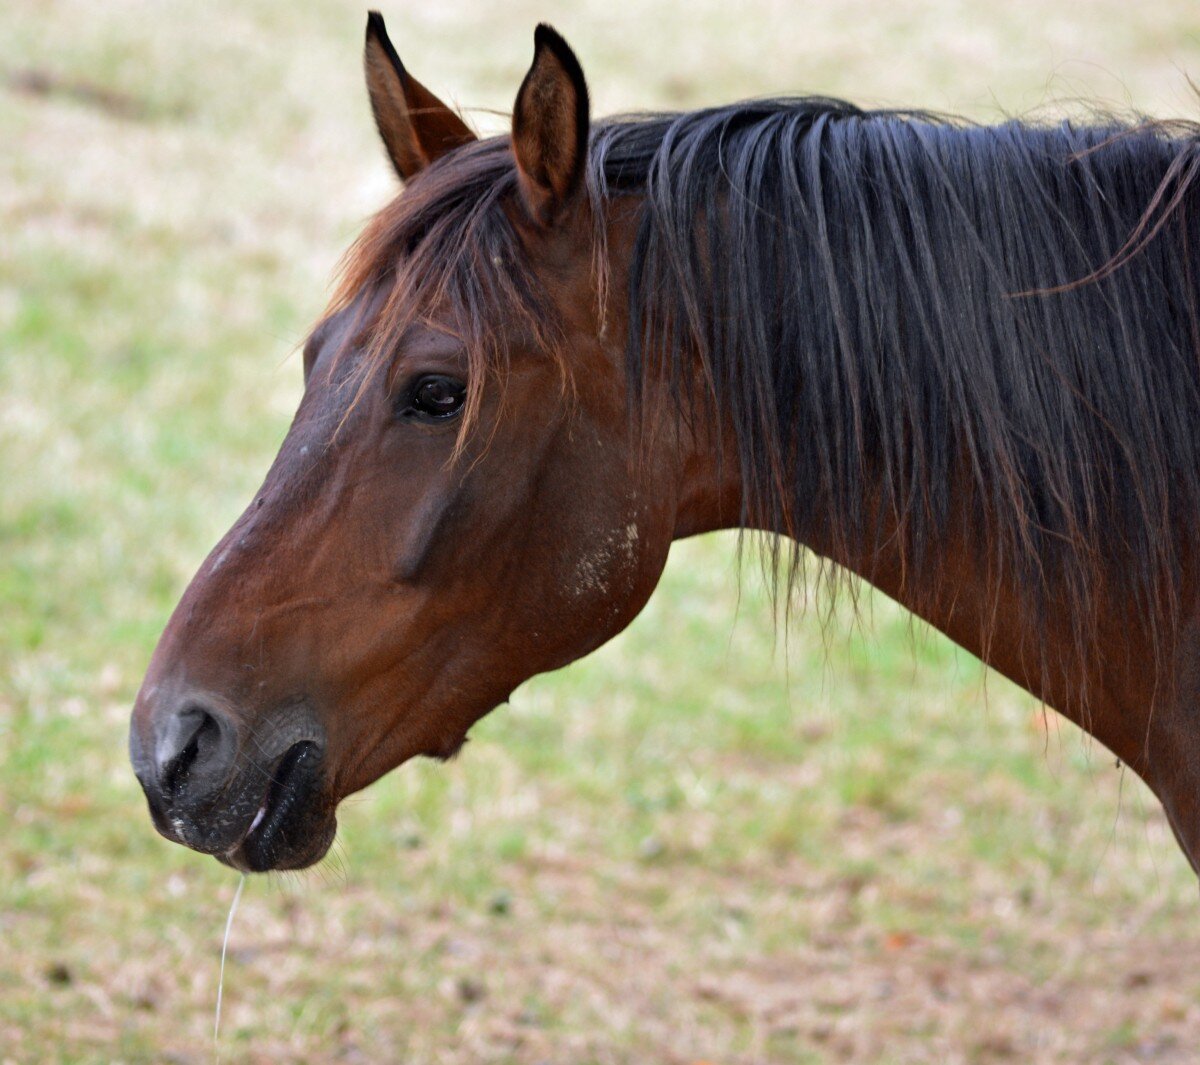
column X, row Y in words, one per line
column 613, row 556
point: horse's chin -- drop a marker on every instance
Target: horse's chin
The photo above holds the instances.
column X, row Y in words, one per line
column 253, row 856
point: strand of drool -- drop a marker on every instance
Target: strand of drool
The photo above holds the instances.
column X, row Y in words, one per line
column 237, row 896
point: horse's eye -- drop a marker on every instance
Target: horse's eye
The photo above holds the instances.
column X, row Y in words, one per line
column 434, row 396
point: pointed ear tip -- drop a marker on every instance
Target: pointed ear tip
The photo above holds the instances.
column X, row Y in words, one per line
column 546, row 36
column 376, row 30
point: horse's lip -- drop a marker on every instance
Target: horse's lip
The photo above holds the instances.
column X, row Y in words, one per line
column 286, row 804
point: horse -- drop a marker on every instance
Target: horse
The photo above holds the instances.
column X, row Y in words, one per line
column 958, row 362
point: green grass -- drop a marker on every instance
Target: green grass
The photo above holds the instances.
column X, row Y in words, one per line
column 711, row 841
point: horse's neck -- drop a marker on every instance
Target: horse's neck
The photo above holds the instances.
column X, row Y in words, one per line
column 1138, row 698
column 1141, row 704
column 1106, row 691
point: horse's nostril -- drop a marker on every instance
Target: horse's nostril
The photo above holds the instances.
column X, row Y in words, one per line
column 191, row 753
column 174, row 773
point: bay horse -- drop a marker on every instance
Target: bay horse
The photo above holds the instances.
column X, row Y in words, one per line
column 960, row 362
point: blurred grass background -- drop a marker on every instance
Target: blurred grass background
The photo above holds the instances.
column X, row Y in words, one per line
column 706, row 843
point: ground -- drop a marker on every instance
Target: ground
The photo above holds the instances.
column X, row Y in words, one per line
column 713, row 841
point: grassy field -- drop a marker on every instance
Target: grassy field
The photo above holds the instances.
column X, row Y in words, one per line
column 707, row 843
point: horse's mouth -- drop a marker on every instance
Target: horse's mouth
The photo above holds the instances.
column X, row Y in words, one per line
column 292, row 828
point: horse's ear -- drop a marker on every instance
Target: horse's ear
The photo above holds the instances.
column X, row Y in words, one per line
column 550, row 128
column 415, row 125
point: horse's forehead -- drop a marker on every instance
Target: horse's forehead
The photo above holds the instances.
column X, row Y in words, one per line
column 340, row 328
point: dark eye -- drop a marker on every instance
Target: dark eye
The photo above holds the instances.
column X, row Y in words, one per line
column 434, row 396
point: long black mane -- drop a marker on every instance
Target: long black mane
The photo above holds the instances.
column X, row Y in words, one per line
column 902, row 313
column 909, row 320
